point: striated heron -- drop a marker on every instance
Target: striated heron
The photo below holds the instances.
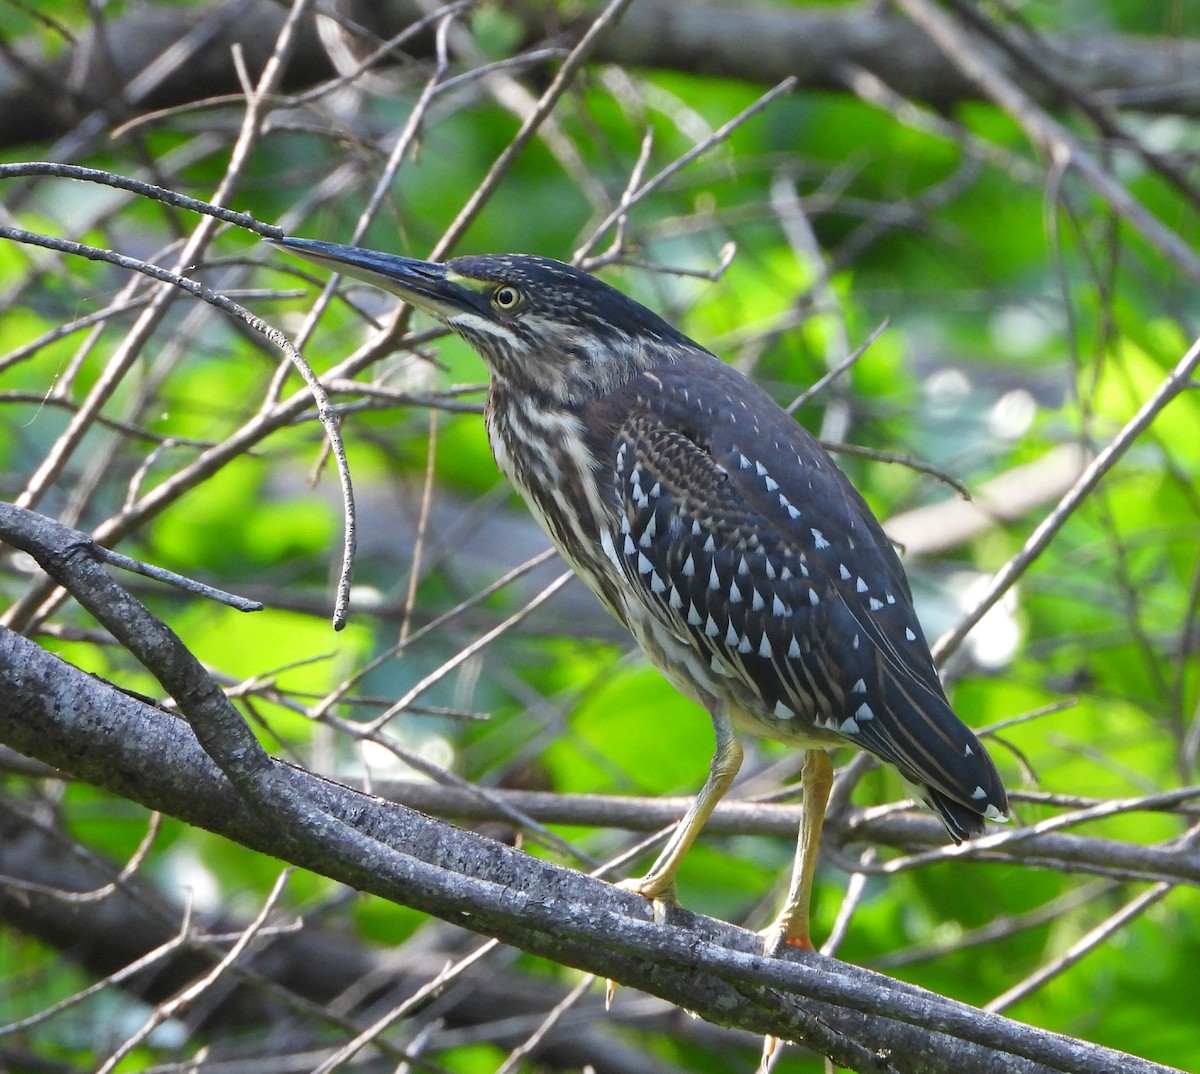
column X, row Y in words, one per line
column 713, row 526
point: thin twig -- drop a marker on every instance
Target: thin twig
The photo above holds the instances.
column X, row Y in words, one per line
column 468, row 651
column 1046, row 133
column 179, row 581
column 1178, row 381
column 146, row 190
column 902, row 460
column 580, row 256
column 529, row 126
column 822, row 382
column 1081, row 947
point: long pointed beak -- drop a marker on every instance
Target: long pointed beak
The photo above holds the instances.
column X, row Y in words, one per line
column 424, row 284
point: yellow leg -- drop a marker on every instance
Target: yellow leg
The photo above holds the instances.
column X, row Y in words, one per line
column 791, row 926
column 727, row 759
column 660, row 880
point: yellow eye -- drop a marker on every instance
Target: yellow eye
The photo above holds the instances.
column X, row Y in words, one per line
column 506, row 298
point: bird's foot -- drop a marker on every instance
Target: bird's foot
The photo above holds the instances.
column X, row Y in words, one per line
column 651, row 887
column 785, row 932
column 662, row 898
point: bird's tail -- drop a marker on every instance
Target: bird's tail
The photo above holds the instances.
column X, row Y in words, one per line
column 978, row 793
column 961, row 821
column 920, row 734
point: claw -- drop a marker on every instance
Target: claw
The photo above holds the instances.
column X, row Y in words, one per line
column 768, row 1051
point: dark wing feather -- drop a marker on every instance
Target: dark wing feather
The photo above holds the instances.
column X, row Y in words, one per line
column 699, row 557
column 739, row 532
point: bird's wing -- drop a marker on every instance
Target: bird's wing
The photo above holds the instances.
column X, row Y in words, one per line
column 738, row 531
column 693, row 549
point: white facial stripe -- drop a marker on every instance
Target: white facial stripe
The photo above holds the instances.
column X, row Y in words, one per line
column 472, row 322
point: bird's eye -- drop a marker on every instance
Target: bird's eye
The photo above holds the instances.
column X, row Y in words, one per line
column 506, row 298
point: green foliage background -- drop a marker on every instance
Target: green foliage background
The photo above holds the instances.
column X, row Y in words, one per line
column 1004, row 298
